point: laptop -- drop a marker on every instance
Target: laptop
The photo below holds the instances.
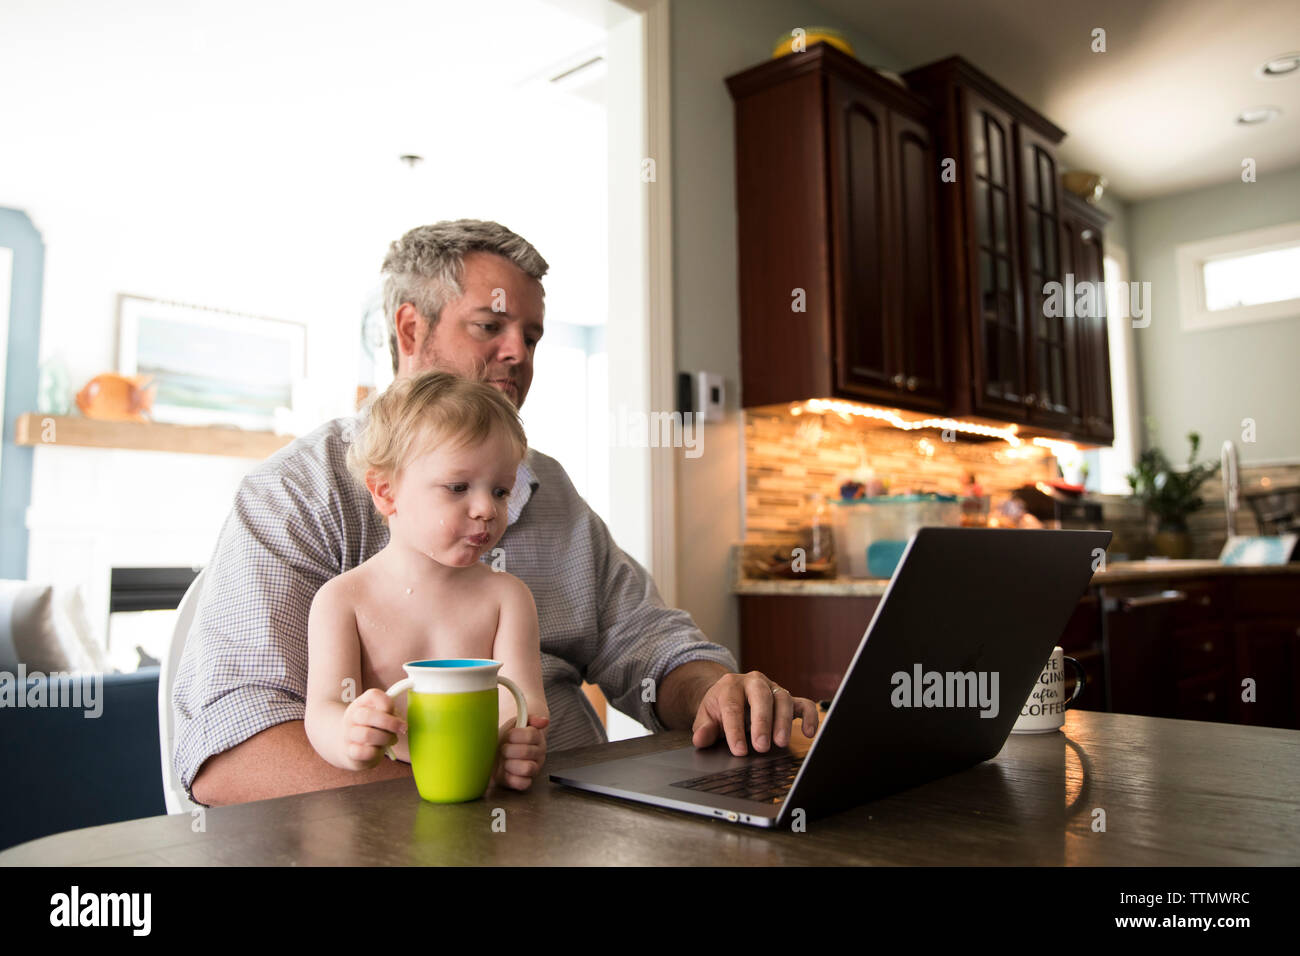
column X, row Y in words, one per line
column 951, row 654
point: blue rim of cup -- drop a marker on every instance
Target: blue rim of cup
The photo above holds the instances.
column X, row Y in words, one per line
column 451, row 662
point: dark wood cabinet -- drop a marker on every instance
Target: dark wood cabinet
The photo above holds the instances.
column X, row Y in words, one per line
column 1141, row 676
column 805, row 644
column 897, row 247
column 836, row 179
column 1082, row 229
column 1183, row 648
column 1266, row 632
column 866, row 344
column 1267, row 655
column 1175, row 647
column 1004, row 248
column 1051, row 343
column 998, row 356
column 920, row 364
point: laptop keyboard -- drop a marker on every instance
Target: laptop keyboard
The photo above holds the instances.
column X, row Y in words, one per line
column 766, row 782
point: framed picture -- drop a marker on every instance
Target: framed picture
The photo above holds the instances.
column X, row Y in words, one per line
column 212, row 367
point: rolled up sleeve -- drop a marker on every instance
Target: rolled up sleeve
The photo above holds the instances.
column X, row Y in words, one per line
column 641, row 639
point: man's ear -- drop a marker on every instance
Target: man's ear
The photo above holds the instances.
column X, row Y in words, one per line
column 411, row 327
column 380, row 487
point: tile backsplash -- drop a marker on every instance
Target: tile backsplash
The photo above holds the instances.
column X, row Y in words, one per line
column 788, row 457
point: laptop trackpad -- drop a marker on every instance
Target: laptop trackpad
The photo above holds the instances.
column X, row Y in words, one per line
column 715, row 759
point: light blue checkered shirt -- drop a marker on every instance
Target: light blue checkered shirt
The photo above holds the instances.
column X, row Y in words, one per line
column 300, row 518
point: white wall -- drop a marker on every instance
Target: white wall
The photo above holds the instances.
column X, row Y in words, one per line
column 1208, row 381
column 711, row 40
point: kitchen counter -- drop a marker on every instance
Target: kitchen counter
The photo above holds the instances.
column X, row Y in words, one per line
column 1118, row 572
column 1174, row 639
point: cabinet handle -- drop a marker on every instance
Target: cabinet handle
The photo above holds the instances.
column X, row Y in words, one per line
column 1031, row 399
column 1207, row 646
column 1205, row 600
column 1209, row 698
column 898, row 380
column 1153, row 600
column 911, row 383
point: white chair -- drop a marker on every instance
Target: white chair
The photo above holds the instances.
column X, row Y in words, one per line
column 173, row 791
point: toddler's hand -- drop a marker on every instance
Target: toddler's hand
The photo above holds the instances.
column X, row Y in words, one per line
column 370, row 724
column 522, row 753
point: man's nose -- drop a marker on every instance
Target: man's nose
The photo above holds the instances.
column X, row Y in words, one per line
column 511, row 347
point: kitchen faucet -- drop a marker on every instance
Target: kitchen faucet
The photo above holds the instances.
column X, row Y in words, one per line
column 1231, row 486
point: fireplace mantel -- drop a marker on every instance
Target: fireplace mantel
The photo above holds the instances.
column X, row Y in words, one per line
column 47, row 431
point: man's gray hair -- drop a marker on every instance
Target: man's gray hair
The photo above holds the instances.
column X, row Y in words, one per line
column 426, row 265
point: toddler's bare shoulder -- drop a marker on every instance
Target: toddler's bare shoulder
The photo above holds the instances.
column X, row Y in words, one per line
column 342, row 590
column 510, row 588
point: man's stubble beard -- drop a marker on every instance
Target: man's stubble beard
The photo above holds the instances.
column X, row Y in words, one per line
column 436, row 361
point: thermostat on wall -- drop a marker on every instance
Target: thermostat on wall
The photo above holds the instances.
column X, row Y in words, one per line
column 710, row 396
column 703, row 393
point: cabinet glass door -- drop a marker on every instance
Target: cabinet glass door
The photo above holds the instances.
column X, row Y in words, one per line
column 1000, row 372
column 1053, row 388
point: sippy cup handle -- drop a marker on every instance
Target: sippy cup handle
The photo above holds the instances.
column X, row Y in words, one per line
column 521, row 705
column 401, row 687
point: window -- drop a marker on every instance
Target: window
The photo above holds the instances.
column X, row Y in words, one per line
column 6, row 271
column 1246, row 277
column 1253, row 279
column 1108, row 467
column 569, row 371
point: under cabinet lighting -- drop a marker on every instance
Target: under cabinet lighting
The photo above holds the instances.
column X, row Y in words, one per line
column 1058, row 448
column 1019, row 447
column 891, row 417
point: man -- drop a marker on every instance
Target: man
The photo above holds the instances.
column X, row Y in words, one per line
column 464, row 297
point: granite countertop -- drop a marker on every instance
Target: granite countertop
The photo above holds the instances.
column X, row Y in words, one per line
column 1118, row 572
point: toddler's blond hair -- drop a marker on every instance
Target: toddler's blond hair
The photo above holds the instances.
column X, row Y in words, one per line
column 416, row 414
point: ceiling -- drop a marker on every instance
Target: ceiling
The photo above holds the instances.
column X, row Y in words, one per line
column 1155, row 113
column 261, row 141
column 115, row 91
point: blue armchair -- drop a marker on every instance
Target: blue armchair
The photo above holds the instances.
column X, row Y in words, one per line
column 60, row 770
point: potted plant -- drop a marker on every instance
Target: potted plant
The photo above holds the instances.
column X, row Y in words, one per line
column 1171, row 495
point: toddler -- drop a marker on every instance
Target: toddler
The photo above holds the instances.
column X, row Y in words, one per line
column 438, row 455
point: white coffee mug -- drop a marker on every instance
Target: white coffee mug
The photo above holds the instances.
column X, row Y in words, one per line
column 1045, row 709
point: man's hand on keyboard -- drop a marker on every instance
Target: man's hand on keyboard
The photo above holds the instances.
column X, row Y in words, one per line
column 723, row 710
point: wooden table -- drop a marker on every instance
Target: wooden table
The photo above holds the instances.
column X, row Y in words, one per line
column 1173, row 792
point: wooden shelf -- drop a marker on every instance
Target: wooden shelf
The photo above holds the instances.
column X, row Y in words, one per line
column 33, row 428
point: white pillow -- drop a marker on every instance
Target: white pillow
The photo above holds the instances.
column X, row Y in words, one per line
column 44, row 627
column 84, row 650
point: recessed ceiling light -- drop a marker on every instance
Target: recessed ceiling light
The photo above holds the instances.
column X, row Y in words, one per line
column 1257, row 115
column 1282, row 65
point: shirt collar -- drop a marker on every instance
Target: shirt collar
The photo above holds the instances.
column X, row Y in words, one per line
column 525, row 484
